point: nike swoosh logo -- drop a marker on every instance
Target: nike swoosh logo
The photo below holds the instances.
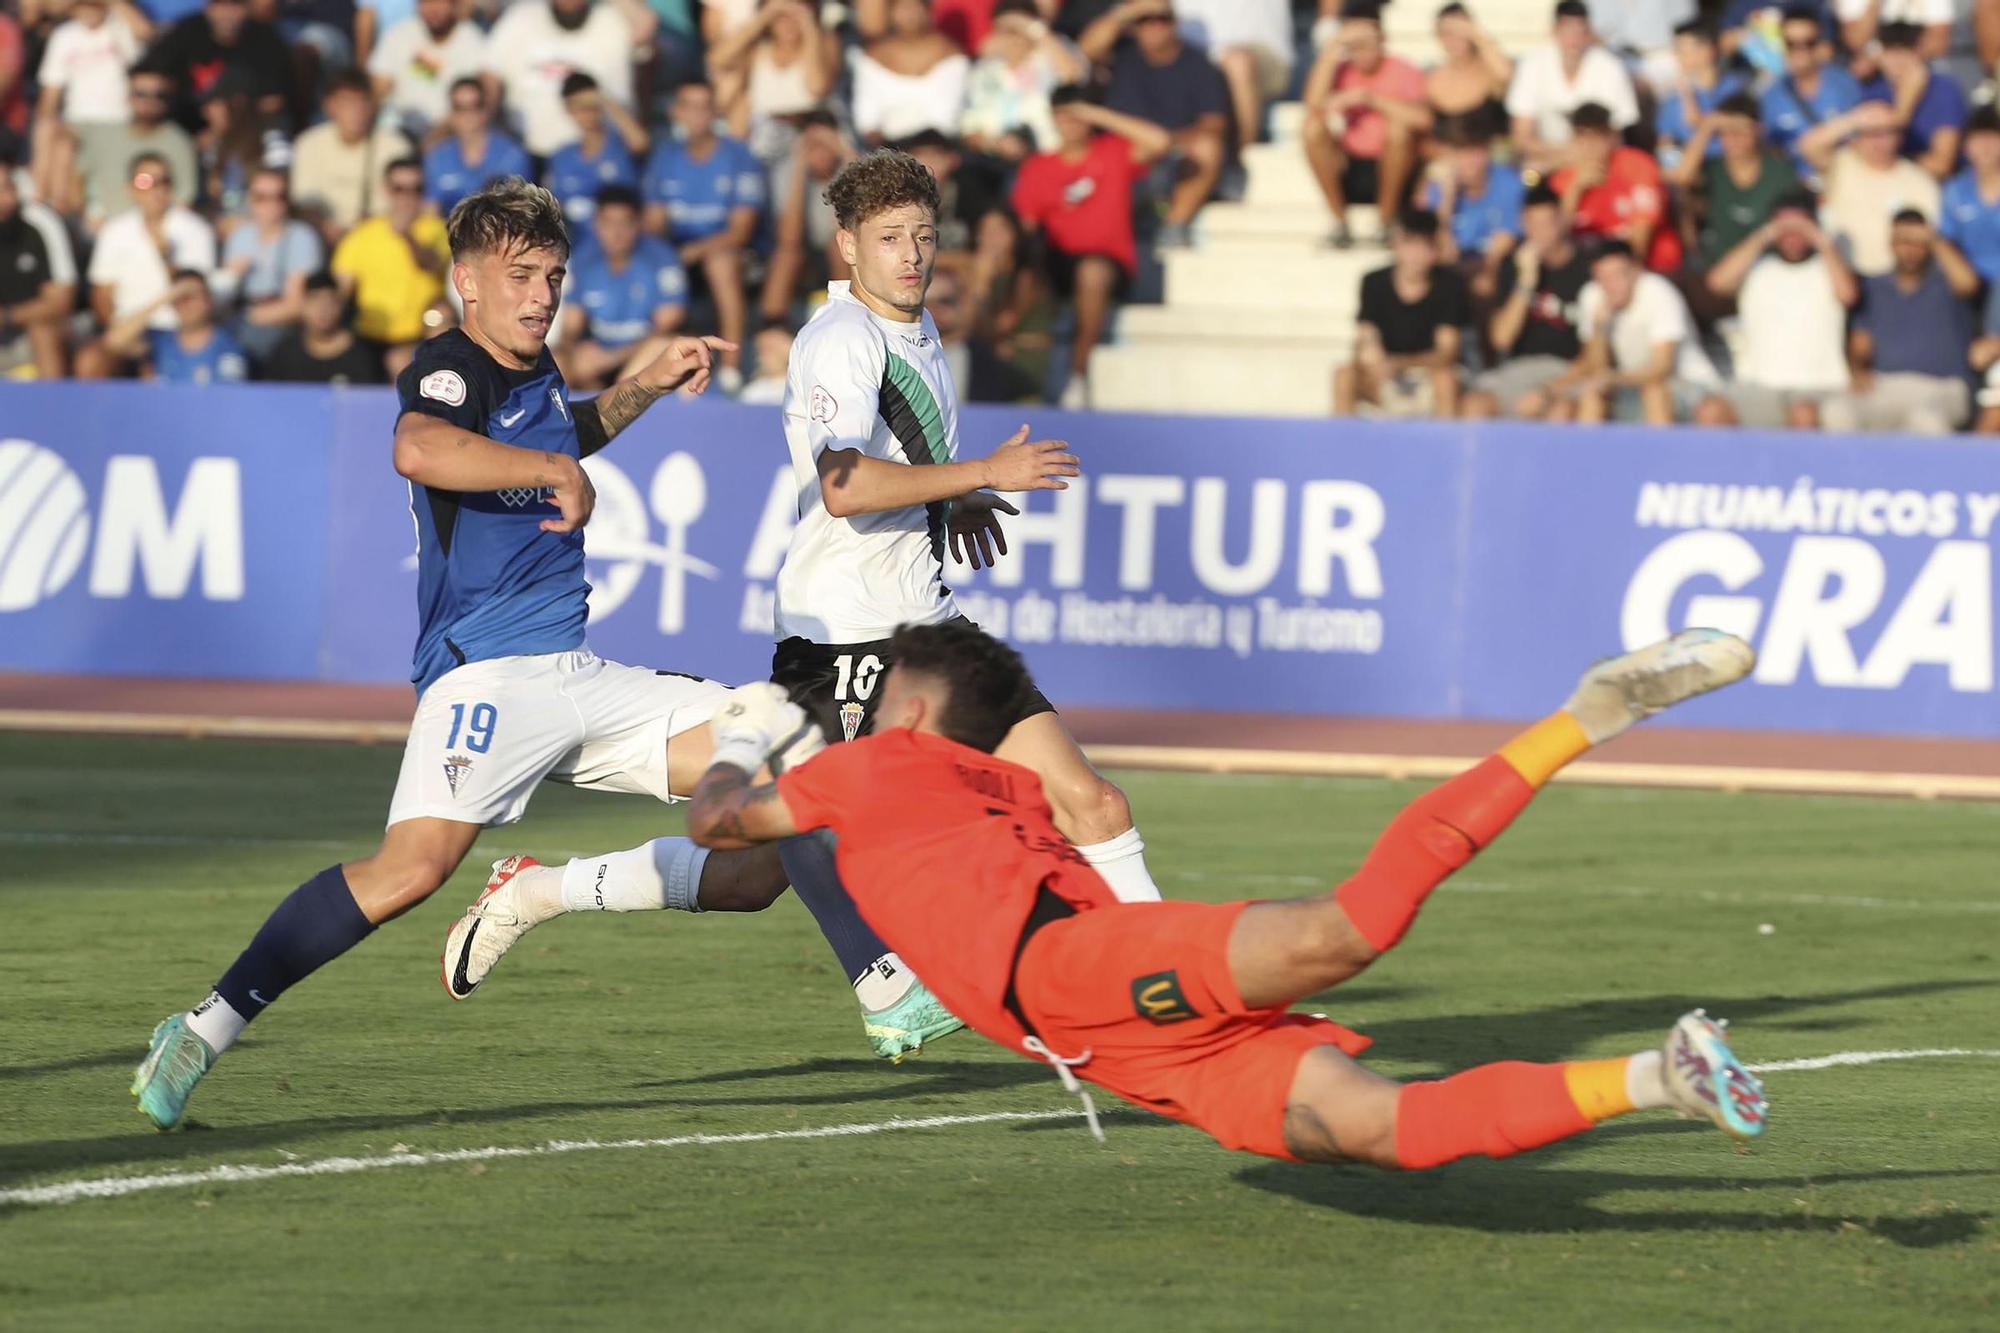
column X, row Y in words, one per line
column 460, row 987
column 506, row 420
column 258, row 998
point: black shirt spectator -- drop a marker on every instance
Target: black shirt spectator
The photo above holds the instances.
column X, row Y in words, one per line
column 223, row 38
column 323, row 349
column 1176, row 94
column 1410, row 329
column 1550, row 326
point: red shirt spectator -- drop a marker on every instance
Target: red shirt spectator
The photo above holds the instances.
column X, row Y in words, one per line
column 1084, row 206
column 964, row 21
column 13, row 72
column 1620, row 193
column 1394, row 77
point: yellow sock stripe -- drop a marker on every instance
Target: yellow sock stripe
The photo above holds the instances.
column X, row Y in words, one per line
column 1537, row 753
column 1598, row 1087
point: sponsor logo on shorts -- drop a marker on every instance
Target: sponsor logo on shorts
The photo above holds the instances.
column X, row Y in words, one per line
column 447, row 386
column 1157, row 997
column 850, row 719
column 456, row 766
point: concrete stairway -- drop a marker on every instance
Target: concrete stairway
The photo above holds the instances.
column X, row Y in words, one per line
column 1261, row 310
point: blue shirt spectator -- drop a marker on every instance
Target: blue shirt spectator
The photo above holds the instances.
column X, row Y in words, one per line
column 575, row 179
column 1971, row 221
column 1924, row 331
column 1672, row 118
column 698, row 194
column 1789, row 111
column 622, row 301
column 1496, row 210
column 449, row 177
column 220, row 360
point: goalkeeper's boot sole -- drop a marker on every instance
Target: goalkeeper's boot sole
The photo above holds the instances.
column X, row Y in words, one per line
column 166, row 1078
column 1619, row 691
column 903, row 1029
column 490, row 927
column 1707, row 1081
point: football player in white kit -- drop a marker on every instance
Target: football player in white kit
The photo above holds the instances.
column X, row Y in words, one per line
column 871, row 419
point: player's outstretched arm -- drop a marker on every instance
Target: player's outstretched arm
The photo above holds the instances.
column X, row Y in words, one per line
column 757, row 728
column 853, row 483
column 432, row 452
column 686, row 363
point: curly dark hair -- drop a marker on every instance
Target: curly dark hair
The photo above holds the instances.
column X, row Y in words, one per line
column 508, row 216
column 987, row 682
column 877, row 182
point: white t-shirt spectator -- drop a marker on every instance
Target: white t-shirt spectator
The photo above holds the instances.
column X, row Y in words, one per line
column 533, row 54
column 343, row 180
column 1221, row 24
column 421, row 69
column 1656, row 314
column 127, row 261
column 1860, row 201
column 1541, row 92
column 897, row 106
column 1793, row 327
column 1924, row 13
column 89, row 65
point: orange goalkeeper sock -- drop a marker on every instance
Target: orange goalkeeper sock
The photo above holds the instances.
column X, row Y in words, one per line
column 1537, row 753
column 1433, row 836
column 1500, row 1109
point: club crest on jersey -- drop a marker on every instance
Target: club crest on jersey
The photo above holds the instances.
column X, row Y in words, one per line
column 555, row 396
column 456, row 766
column 446, row 386
column 850, row 719
column 821, row 406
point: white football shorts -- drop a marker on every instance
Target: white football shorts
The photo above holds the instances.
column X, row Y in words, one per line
column 487, row 733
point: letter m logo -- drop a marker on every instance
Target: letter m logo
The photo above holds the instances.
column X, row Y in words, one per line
column 1157, row 997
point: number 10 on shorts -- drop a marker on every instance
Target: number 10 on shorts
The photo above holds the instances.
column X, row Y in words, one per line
column 477, row 724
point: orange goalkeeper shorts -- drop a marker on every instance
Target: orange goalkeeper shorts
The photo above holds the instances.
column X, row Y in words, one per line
column 1145, row 988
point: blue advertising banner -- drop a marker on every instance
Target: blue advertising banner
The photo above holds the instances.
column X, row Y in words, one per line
column 1431, row 570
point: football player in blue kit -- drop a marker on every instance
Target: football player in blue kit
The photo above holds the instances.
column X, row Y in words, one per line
column 508, row 693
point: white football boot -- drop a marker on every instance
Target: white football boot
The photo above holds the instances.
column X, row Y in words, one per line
column 494, row 923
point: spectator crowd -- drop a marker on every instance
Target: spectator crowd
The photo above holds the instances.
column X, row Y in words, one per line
column 1784, row 215
column 1777, row 215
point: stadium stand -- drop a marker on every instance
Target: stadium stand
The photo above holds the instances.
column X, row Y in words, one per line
column 1247, row 127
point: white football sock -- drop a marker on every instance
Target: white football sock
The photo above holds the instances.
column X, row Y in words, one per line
column 887, row 980
column 1646, row 1081
column 216, row 1022
column 664, row 873
column 1122, row 862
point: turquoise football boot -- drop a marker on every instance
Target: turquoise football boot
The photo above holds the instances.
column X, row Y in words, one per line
column 166, row 1077
column 903, row 1029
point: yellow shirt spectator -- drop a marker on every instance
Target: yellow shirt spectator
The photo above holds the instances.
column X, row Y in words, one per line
column 391, row 290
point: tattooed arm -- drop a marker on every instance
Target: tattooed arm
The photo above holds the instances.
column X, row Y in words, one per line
column 686, row 363
column 728, row 812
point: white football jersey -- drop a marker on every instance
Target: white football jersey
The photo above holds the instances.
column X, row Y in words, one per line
column 859, row 381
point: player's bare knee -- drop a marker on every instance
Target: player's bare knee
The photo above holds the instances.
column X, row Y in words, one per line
column 743, row 881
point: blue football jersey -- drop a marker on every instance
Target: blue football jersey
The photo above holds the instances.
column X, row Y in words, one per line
column 575, row 179
column 620, row 303
column 448, row 177
column 700, row 194
column 490, row 582
column 220, row 360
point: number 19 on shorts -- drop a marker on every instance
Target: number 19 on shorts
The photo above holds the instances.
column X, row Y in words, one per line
column 476, row 722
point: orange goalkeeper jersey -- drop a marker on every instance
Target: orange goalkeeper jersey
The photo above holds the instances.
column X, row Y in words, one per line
column 944, row 849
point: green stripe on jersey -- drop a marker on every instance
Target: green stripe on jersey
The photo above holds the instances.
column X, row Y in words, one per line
column 924, row 411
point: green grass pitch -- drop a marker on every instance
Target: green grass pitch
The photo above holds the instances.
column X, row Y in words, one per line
column 131, row 871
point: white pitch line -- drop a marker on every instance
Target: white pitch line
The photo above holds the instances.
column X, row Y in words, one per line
column 1839, row 1058
column 112, row 1187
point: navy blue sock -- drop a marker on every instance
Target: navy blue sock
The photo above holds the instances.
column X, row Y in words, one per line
column 808, row 862
column 317, row 922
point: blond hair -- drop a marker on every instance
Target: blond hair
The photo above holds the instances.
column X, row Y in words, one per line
column 508, row 216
